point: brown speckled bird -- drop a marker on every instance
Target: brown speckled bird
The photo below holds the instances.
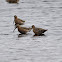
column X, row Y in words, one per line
column 12, row 1
column 38, row 31
column 22, row 30
column 18, row 21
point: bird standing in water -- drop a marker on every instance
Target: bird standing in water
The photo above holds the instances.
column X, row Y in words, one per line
column 18, row 21
column 12, row 1
column 22, row 30
column 38, row 31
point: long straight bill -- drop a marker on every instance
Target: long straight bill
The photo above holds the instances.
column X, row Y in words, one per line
column 14, row 29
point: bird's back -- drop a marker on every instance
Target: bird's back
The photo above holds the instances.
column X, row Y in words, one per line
column 22, row 30
column 39, row 31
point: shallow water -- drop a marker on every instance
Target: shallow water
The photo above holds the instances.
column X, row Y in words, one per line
column 29, row 48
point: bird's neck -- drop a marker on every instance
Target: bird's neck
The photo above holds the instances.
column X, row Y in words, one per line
column 15, row 18
column 18, row 27
column 34, row 27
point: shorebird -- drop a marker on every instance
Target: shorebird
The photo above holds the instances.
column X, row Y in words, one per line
column 38, row 31
column 22, row 30
column 18, row 21
column 12, row 1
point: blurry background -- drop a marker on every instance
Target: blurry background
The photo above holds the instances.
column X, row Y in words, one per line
column 29, row 48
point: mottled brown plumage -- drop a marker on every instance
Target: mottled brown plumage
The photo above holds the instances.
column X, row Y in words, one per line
column 12, row 1
column 38, row 31
column 22, row 30
column 18, row 21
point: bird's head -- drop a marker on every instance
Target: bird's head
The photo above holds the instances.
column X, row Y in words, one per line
column 16, row 26
column 15, row 16
column 33, row 26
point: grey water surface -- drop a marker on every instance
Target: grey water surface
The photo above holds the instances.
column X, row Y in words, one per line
column 46, row 14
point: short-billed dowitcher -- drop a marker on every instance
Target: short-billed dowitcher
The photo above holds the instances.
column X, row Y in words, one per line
column 22, row 30
column 12, row 1
column 18, row 21
column 38, row 31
